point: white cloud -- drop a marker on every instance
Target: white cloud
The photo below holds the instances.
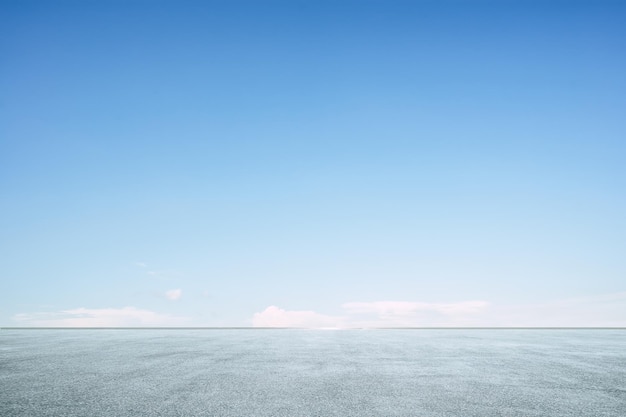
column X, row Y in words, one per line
column 174, row 294
column 607, row 310
column 374, row 314
column 103, row 317
column 273, row 316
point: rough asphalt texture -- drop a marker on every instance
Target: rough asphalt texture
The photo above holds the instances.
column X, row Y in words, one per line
column 312, row 373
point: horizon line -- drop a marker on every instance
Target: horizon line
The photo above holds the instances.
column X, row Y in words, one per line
column 315, row 328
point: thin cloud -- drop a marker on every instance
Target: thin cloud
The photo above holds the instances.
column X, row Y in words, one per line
column 604, row 310
column 375, row 314
column 406, row 308
column 413, row 314
column 103, row 317
column 174, row 295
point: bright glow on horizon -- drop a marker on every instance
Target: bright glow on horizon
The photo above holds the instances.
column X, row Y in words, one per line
column 599, row 311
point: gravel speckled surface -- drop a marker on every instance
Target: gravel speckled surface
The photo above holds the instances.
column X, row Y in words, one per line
column 312, row 373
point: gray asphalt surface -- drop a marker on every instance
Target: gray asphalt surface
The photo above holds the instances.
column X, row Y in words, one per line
column 312, row 373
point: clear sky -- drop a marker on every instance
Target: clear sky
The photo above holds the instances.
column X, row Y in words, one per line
column 313, row 163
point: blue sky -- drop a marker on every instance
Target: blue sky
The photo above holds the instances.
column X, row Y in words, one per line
column 312, row 163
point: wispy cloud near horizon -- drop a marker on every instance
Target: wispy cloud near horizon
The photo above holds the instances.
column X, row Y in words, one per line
column 405, row 308
column 374, row 314
column 413, row 314
column 99, row 317
column 606, row 310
